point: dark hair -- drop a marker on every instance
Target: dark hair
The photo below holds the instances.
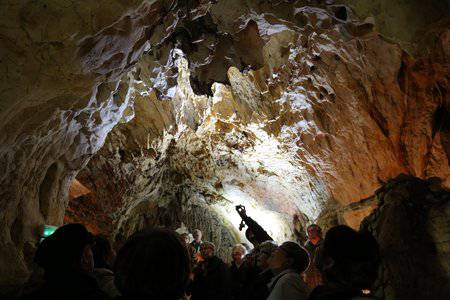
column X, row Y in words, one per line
column 316, row 226
column 298, row 255
column 102, row 251
column 355, row 257
column 63, row 249
column 153, row 263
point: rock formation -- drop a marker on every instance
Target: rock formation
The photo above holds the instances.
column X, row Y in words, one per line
column 411, row 226
column 172, row 112
column 330, row 112
column 64, row 85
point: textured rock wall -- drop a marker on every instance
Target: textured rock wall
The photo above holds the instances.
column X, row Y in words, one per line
column 63, row 86
column 413, row 24
column 288, row 108
column 321, row 113
column 411, row 225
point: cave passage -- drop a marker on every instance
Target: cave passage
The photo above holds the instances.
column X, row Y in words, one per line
column 126, row 116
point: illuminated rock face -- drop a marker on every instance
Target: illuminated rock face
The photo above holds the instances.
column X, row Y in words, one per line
column 286, row 108
column 331, row 112
column 64, row 86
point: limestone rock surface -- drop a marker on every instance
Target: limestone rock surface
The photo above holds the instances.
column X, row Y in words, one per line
column 411, row 226
column 290, row 107
column 327, row 112
column 63, row 87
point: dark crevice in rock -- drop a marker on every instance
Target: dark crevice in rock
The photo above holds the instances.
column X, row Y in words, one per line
column 402, row 75
column 340, row 12
column 441, row 125
column 380, row 120
column 203, row 88
column 122, row 154
column 441, row 118
column 17, row 230
column 46, row 189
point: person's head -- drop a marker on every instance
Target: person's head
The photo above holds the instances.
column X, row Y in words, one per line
column 197, row 234
column 238, row 252
column 250, row 257
column 265, row 250
column 207, row 249
column 289, row 255
column 349, row 257
column 68, row 249
column 153, row 264
column 314, row 232
column 185, row 237
column 103, row 252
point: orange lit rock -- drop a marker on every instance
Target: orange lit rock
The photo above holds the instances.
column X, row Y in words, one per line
column 77, row 190
column 290, row 109
column 334, row 113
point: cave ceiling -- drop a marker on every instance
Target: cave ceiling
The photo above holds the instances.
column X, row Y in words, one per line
column 287, row 109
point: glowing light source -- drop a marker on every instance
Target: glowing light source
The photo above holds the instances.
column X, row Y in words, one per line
column 46, row 230
column 272, row 222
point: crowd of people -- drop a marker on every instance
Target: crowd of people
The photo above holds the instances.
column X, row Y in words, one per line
column 157, row 264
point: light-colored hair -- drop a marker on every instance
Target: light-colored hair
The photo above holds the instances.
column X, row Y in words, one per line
column 267, row 246
column 208, row 245
column 239, row 247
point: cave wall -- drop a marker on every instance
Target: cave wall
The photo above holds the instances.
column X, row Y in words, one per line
column 415, row 25
column 411, row 225
column 321, row 110
column 64, row 86
column 328, row 111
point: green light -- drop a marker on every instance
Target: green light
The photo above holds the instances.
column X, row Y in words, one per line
column 46, row 230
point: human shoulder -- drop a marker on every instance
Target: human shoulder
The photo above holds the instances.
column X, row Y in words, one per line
column 103, row 272
column 291, row 276
column 293, row 281
column 290, row 286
